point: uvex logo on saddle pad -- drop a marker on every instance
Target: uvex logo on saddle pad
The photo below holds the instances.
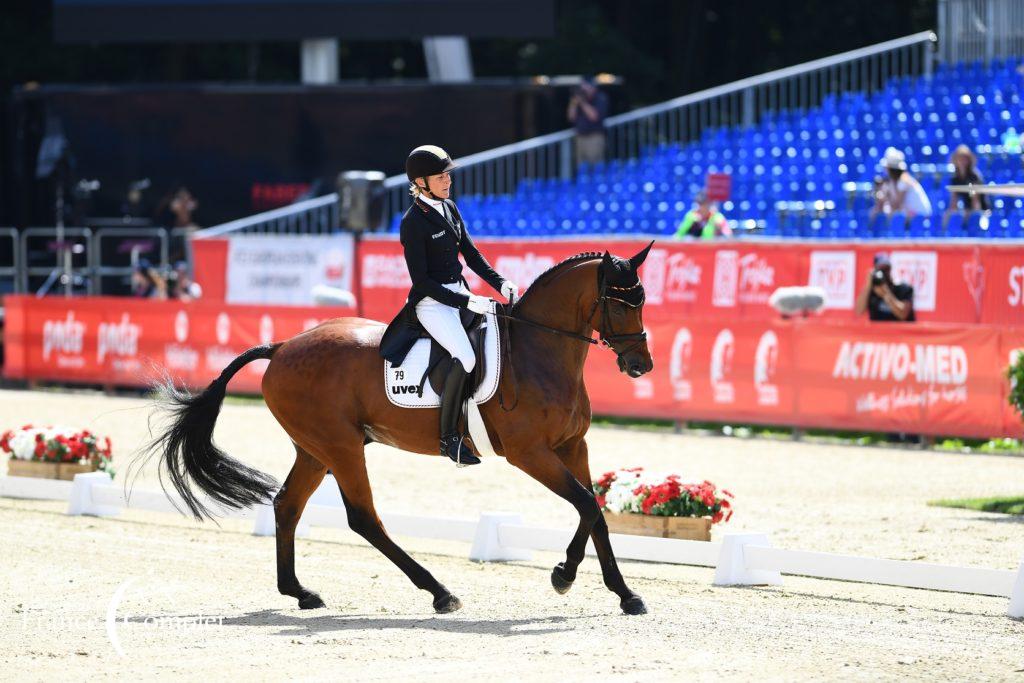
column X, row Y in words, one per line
column 437, row 234
column 404, row 389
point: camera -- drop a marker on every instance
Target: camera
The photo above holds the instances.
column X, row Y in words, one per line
column 878, row 277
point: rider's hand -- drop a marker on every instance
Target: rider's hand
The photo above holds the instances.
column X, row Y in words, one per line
column 479, row 304
column 509, row 290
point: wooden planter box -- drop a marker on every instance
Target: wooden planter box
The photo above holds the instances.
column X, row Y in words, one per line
column 47, row 470
column 689, row 528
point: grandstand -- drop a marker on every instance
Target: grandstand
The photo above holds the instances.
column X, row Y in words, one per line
column 801, row 174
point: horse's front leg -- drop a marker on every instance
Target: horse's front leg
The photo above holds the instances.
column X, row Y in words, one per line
column 575, row 456
column 544, row 465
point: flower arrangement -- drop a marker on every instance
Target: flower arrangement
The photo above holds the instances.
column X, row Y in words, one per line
column 57, row 445
column 633, row 490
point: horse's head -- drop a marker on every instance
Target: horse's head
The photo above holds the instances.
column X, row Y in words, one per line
column 618, row 311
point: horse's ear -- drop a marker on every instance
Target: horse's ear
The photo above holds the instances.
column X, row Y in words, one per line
column 638, row 260
column 607, row 265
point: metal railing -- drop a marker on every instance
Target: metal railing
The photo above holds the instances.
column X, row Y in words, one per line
column 40, row 276
column 683, row 119
column 133, row 244
column 9, row 267
column 687, row 118
column 971, row 30
column 315, row 216
column 34, row 261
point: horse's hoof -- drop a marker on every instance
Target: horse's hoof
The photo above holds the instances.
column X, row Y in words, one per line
column 447, row 603
column 310, row 601
column 634, row 605
column 558, row 580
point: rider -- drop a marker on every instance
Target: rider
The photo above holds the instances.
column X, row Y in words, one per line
column 433, row 235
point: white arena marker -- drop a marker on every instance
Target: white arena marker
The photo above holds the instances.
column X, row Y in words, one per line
column 732, row 565
column 1017, row 596
column 487, row 546
column 81, row 501
column 265, row 524
column 327, row 494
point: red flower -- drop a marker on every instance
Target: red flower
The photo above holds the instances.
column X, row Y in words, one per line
column 726, row 493
column 717, row 517
column 647, row 505
column 40, row 448
column 600, row 500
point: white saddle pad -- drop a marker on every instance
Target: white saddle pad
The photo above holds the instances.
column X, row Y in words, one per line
column 402, row 383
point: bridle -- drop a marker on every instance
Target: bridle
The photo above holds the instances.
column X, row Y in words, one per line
column 605, row 334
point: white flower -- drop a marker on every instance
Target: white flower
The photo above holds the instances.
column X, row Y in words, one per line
column 23, row 444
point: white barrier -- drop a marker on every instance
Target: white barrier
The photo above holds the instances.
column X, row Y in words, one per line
column 741, row 559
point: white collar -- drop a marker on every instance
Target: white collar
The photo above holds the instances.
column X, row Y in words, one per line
column 436, row 203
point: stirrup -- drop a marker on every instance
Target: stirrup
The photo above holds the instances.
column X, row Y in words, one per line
column 455, row 450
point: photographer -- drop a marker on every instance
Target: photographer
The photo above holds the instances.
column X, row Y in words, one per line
column 883, row 299
column 147, row 283
column 183, row 287
column 587, row 110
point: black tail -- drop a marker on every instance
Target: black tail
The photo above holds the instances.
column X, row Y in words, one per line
column 187, row 452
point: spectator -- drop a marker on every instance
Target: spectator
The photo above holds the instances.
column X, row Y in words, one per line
column 883, row 299
column 704, row 221
column 147, row 283
column 965, row 173
column 176, row 211
column 899, row 191
column 588, row 107
column 184, row 287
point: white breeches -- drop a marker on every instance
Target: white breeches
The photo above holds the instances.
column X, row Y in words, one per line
column 443, row 324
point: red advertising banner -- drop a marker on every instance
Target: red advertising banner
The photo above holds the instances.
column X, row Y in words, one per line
column 122, row 341
column 733, row 280
column 922, row 378
column 953, row 283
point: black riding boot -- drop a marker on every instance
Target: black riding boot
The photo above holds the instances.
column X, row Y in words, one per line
column 451, row 411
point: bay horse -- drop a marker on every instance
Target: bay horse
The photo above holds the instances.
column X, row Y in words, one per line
column 325, row 387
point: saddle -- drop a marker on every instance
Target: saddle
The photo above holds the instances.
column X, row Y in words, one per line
column 405, row 330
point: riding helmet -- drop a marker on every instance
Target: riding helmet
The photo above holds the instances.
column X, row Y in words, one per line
column 427, row 160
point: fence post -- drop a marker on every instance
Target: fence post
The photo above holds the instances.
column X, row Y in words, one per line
column 487, row 545
column 748, row 108
column 81, row 502
column 565, row 169
column 732, row 566
column 1017, row 596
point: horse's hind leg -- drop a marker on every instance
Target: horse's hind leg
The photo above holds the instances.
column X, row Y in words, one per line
column 306, row 475
column 362, row 519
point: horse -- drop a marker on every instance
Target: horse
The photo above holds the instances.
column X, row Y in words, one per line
column 325, row 387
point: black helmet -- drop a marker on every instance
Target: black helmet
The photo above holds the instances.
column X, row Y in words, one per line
column 427, row 160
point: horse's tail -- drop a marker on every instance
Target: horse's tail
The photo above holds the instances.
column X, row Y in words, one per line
column 187, row 452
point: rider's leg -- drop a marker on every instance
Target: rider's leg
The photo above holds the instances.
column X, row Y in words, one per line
column 443, row 324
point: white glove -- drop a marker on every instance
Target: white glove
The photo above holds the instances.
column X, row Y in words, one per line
column 509, row 290
column 479, row 304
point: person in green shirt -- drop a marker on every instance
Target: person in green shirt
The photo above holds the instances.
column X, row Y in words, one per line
column 704, row 221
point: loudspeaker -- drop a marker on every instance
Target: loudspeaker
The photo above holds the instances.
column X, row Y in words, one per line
column 360, row 200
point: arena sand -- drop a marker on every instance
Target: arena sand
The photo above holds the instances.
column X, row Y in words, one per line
column 198, row 600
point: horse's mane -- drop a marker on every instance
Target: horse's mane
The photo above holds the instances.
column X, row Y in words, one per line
column 572, row 260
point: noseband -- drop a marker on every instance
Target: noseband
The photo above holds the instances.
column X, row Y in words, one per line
column 628, row 296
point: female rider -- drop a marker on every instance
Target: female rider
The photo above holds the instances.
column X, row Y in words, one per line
column 433, row 235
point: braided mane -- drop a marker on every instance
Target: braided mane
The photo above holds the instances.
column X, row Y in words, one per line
column 584, row 256
column 569, row 261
